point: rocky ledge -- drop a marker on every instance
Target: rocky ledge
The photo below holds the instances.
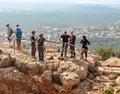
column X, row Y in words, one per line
column 20, row 74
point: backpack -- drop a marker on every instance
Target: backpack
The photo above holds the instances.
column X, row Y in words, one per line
column 18, row 32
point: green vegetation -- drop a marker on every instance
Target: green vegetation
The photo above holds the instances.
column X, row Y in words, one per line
column 70, row 70
column 118, row 54
column 106, row 52
column 108, row 91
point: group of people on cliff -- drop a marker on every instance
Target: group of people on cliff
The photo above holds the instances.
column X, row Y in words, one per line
column 65, row 39
column 14, row 35
column 70, row 40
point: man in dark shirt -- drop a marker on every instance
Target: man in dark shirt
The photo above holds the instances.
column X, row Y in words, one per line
column 33, row 45
column 41, row 41
column 65, row 39
column 72, row 44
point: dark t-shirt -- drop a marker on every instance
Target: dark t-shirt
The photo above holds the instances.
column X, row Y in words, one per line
column 65, row 38
column 72, row 39
column 32, row 39
column 84, row 43
column 41, row 41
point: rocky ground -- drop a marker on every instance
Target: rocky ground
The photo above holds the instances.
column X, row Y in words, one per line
column 21, row 74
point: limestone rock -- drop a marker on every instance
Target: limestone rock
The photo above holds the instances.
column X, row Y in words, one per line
column 32, row 68
column 69, row 79
column 112, row 62
column 56, row 77
column 63, row 66
column 117, row 81
column 21, row 65
column 5, row 61
column 82, row 72
column 35, row 89
column 53, row 66
column 47, row 77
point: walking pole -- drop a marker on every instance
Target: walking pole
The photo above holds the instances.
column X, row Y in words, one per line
column 14, row 46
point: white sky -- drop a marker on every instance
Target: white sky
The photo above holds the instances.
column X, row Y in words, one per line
column 61, row 1
column 35, row 3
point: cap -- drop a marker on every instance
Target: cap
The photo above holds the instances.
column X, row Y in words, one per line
column 41, row 34
column 33, row 32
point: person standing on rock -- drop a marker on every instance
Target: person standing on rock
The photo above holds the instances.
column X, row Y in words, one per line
column 9, row 33
column 72, row 44
column 18, row 35
column 65, row 38
column 85, row 43
column 41, row 48
column 33, row 44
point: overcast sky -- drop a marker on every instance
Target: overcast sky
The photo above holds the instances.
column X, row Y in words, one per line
column 27, row 3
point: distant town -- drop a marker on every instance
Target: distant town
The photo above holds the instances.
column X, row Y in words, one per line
column 99, row 35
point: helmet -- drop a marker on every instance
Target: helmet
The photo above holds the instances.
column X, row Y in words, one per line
column 41, row 34
column 33, row 32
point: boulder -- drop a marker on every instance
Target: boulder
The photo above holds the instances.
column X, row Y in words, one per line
column 63, row 66
column 69, row 80
column 32, row 68
column 21, row 65
column 53, row 66
column 35, row 89
column 117, row 81
column 5, row 61
column 47, row 77
column 82, row 72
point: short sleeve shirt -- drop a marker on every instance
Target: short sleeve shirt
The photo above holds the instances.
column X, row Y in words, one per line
column 65, row 38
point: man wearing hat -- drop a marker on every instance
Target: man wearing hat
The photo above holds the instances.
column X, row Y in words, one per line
column 33, row 44
column 41, row 41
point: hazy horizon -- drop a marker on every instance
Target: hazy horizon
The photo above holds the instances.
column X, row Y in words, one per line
column 53, row 4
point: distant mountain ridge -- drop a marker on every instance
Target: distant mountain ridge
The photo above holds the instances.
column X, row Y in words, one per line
column 82, row 14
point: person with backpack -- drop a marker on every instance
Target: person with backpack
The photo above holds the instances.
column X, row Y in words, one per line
column 72, row 44
column 33, row 44
column 41, row 48
column 65, row 38
column 85, row 43
column 18, row 36
column 9, row 33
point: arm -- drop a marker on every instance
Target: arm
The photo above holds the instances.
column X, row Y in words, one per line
column 88, row 42
column 81, row 42
column 60, row 39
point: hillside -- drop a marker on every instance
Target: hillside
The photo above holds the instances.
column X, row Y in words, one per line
column 20, row 74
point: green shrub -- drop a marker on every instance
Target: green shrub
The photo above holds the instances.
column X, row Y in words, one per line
column 108, row 91
column 106, row 52
column 118, row 54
